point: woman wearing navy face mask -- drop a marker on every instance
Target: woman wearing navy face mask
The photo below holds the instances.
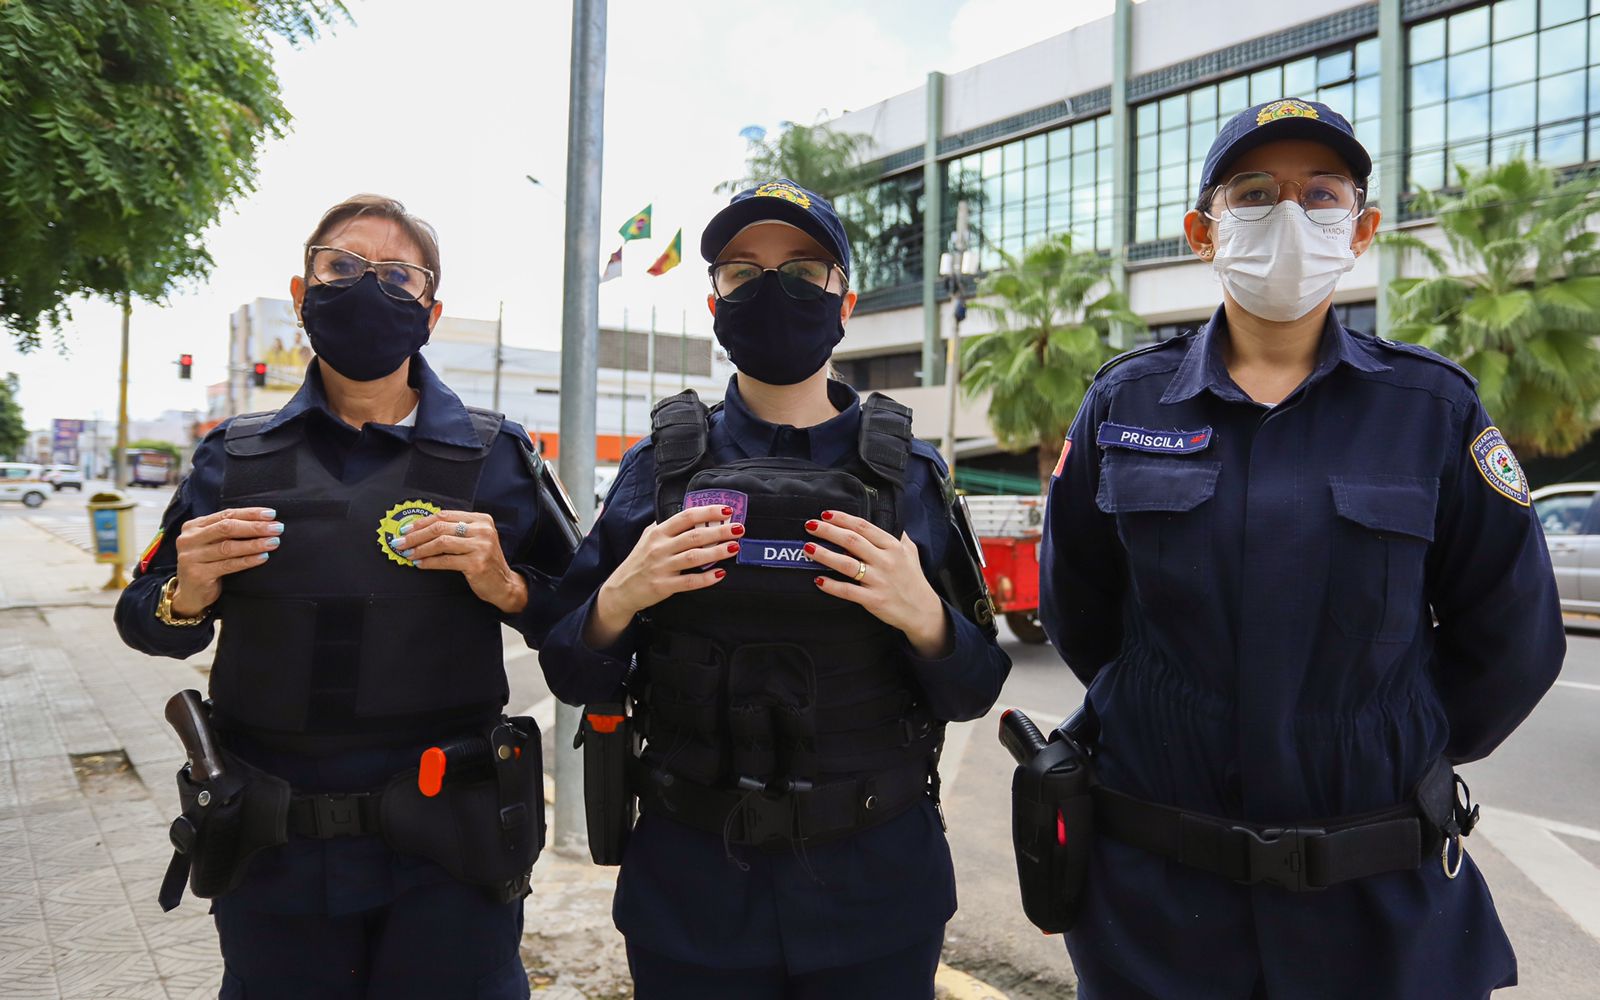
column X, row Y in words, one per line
column 363, row 546
column 786, row 573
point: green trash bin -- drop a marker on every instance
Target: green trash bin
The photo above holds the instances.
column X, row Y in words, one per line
column 111, row 532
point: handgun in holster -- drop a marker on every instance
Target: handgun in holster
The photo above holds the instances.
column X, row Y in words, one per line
column 1052, row 816
column 606, row 735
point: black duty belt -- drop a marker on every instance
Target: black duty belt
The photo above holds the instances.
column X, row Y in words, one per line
column 757, row 818
column 325, row 815
column 1298, row 858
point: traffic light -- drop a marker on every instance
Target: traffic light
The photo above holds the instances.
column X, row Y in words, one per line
column 185, row 365
column 259, row 377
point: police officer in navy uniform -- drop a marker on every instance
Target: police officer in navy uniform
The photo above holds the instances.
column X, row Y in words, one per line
column 361, row 547
column 796, row 660
column 1297, row 569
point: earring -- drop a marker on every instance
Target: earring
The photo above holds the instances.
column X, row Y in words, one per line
column 300, row 323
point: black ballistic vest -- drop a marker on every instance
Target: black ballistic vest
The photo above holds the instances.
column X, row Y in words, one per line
column 763, row 679
column 330, row 637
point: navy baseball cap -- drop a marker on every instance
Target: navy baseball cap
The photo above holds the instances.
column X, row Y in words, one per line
column 1287, row 119
column 781, row 200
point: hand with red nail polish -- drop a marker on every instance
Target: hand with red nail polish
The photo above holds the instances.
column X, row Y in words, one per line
column 670, row 558
column 882, row 574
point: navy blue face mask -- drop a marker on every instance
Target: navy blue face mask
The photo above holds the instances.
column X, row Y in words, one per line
column 361, row 332
column 778, row 339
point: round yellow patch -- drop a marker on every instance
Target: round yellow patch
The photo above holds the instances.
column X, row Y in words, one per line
column 398, row 516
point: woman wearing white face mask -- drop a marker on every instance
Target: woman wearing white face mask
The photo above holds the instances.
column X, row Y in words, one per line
column 1297, row 569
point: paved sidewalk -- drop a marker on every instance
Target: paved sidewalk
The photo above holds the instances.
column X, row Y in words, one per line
column 86, row 794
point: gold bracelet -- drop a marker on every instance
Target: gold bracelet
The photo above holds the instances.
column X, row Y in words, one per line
column 164, row 608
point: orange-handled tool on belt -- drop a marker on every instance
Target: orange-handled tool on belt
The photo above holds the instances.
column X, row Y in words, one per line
column 437, row 760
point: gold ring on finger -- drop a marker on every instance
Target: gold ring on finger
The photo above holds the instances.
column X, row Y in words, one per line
column 861, row 571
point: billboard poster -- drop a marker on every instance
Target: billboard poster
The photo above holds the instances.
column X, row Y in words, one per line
column 64, row 441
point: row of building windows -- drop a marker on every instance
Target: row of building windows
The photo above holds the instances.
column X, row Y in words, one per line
column 1489, row 83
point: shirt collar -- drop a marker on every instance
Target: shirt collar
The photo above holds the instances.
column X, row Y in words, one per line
column 1203, row 368
column 439, row 414
column 829, row 442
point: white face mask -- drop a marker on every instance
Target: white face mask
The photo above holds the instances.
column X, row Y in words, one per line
column 1283, row 266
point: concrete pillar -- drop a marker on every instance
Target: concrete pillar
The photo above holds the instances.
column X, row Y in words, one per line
column 1391, row 163
column 932, row 233
column 1121, row 157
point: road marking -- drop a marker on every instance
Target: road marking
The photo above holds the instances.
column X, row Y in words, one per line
column 1561, row 873
column 1580, row 685
column 953, row 984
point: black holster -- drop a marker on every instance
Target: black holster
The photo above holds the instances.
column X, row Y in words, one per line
column 222, row 827
column 1052, row 831
column 486, row 826
column 609, row 805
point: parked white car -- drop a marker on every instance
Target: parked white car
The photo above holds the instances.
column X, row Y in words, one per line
column 1571, row 521
column 21, row 481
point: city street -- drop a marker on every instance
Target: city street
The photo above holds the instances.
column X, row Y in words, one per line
column 1538, row 845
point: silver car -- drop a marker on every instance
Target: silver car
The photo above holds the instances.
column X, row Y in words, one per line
column 1571, row 521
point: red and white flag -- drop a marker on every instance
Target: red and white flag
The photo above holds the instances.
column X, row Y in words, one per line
column 613, row 267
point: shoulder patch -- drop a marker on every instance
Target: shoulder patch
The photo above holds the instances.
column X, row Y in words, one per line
column 1418, row 351
column 1499, row 466
column 1146, row 349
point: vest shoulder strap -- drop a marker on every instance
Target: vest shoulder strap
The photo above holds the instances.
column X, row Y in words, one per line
column 245, row 434
column 486, row 422
column 885, row 441
column 679, row 436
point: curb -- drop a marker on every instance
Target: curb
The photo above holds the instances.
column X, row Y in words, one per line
column 953, row 984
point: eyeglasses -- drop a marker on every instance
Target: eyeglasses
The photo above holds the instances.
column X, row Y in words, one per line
column 1328, row 199
column 804, row 278
column 341, row 268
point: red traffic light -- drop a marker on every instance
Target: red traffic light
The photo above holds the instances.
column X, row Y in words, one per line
column 185, row 364
column 260, row 376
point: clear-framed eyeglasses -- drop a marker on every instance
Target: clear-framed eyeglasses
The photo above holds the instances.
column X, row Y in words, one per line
column 1328, row 199
column 804, row 278
column 341, row 268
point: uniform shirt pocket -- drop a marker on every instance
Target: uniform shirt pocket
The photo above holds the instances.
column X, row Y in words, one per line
column 1380, row 543
column 1163, row 514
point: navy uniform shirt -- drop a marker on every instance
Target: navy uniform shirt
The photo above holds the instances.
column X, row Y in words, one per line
column 349, row 874
column 1286, row 613
column 840, row 903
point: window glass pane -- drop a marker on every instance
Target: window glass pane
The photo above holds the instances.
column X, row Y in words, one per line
column 1338, row 98
column 1514, row 146
column 1144, row 225
column 1200, row 139
column 1560, row 11
column 1011, row 156
column 1515, row 61
column 1367, row 98
column 1145, row 118
column 1594, row 87
column 1300, row 77
column 1060, row 213
column 1203, row 103
column 991, row 161
column 1012, row 190
column 1560, row 97
column 1102, row 197
column 1083, row 168
column 1233, row 96
column 1563, row 48
column 1103, row 131
column 1335, row 67
column 1174, row 147
column 1174, row 111
column 1561, row 145
column 1594, row 141
column 1469, row 29
column 1103, row 155
column 1034, row 221
column 1472, row 155
column 1082, row 136
column 1594, row 39
column 1367, row 58
column 1035, row 150
column 1367, row 134
column 1427, row 82
column 1060, row 174
column 1033, row 183
column 1513, row 108
column 1427, row 41
column 1427, row 171
column 1175, row 182
column 1172, row 219
column 1467, row 118
column 1146, row 157
column 1514, row 17
column 1469, row 73
column 1427, row 127
column 1266, row 85
column 1060, row 143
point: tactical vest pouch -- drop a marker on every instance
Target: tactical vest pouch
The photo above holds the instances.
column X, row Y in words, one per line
column 485, row 825
column 222, row 829
column 1052, row 824
column 609, row 806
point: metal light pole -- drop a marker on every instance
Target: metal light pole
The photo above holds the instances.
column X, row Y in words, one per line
column 955, row 269
column 118, row 457
column 580, row 318
column 499, row 355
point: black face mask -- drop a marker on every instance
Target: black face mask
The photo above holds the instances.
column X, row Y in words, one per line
column 778, row 339
column 360, row 332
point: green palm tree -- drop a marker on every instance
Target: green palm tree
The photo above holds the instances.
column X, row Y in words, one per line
column 1515, row 298
column 1050, row 339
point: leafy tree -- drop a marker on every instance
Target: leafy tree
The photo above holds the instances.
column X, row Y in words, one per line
column 125, row 127
column 13, row 433
column 1049, row 340
column 1515, row 298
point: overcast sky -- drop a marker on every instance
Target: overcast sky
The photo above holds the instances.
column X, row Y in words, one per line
column 448, row 106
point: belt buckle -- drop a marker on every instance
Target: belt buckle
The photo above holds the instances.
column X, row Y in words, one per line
column 338, row 814
column 1277, row 856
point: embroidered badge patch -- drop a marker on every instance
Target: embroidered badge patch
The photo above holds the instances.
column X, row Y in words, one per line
column 784, row 190
column 776, row 554
column 1499, row 467
column 1285, row 109
column 1160, row 442
column 1061, row 463
column 397, row 517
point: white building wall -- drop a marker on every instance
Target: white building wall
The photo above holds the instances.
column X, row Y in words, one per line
column 1166, row 32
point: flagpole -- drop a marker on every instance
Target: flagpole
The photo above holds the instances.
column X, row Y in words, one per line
column 622, row 438
column 683, row 349
column 650, row 355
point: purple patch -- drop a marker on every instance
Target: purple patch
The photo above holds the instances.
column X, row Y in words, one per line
column 739, row 502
